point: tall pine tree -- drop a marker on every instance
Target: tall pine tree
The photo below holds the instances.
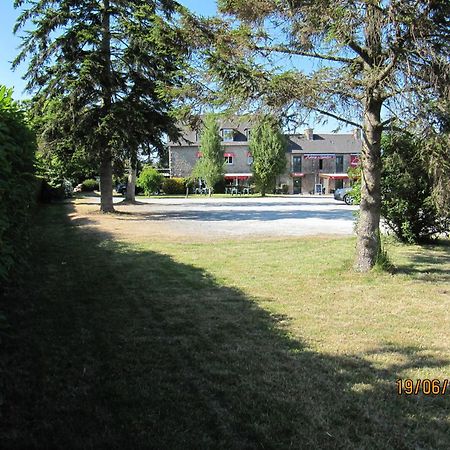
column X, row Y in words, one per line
column 110, row 64
column 210, row 167
column 268, row 149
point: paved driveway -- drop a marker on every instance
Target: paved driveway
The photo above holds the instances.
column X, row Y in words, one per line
column 239, row 217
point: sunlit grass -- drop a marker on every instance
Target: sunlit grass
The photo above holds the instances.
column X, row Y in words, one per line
column 230, row 345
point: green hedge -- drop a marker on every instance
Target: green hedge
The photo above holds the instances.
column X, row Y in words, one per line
column 174, row 186
column 17, row 183
column 89, row 185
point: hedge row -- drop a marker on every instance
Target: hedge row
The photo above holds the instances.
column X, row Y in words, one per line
column 17, row 184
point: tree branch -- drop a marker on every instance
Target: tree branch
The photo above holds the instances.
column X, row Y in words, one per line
column 334, row 116
column 283, row 49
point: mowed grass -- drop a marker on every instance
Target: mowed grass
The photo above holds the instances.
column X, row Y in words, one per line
column 272, row 344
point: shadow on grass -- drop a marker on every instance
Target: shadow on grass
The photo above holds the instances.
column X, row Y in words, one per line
column 118, row 347
column 429, row 262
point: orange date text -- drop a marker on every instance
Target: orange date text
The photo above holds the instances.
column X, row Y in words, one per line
column 425, row 386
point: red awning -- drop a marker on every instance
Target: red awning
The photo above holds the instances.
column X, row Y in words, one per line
column 297, row 174
column 319, row 156
column 338, row 177
column 228, row 154
column 236, row 177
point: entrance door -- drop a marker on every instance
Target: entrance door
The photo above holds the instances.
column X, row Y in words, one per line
column 297, row 186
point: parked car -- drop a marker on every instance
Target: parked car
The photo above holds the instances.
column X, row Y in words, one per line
column 121, row 188
column 343, row 194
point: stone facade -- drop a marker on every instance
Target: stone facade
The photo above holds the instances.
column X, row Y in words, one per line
column 314, row 162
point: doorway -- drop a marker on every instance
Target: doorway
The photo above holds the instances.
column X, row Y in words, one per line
column 297, row 186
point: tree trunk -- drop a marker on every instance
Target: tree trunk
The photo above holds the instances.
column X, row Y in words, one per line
column 368, row 231
column 209, row 192
column 106, row 197
column 106, row 201
column 263, row 191
column 130, row 195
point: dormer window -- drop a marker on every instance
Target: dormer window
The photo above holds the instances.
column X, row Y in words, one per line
column 247, row 132
column 227, row 134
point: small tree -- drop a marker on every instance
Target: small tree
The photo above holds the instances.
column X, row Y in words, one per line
column 210, row 167
column 149, row 180
column 268, row 149
column 407, row 204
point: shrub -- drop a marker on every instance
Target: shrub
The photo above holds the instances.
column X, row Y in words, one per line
column 407, row 204
column 174, row 186
column 17, row 183
column 149, row 180
column 89, row 185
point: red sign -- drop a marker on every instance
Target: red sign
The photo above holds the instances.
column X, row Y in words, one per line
column 354, row 160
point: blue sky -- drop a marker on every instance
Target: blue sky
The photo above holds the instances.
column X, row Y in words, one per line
column 10, row 44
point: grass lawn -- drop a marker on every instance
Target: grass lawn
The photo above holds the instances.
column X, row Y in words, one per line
column 264, row 344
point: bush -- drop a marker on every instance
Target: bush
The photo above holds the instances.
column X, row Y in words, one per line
column 17, row 184
column 219, row 187
column 149, row 180
column 89, row 185
column 407, row 204
column 174, row 186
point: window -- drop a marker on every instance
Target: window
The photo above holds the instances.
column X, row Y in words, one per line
column 228, row 159
column 227, row 134
column 339, row 163
column 296, row 164
column 247, row 132
column 249, row 159
column 320, row 164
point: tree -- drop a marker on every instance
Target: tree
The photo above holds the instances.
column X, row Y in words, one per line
column 407, row 204
column 210, row 166
column 149, row 180
column 105, row 68
column 370, row 57
column 268, row 149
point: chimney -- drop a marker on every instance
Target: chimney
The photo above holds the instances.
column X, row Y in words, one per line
column 357, row 134
column 309, row 134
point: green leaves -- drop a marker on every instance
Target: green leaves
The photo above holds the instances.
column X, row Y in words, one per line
column 210, row 167
column 17, row 183
column 268, row 149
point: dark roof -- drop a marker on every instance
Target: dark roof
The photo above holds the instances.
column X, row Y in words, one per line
column 240, row 125
column 324, row 143
column 321, row 142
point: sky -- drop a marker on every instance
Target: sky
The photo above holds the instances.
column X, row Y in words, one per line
column 9, row 44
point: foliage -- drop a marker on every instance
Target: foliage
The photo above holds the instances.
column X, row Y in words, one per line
column 173, row 186
column 407, row 192
column 102, row 72
column 354, row 174
column 89, row 185
column 17, row 183
column 210, row 167
column 363, row 55
column 149, row 180
column 268, row 149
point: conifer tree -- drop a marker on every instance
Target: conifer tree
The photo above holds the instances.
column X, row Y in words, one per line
column 110, row 64
column 367, row 60
column 210, row 166
column 268, row 149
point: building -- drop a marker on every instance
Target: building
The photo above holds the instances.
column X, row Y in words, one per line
column 315, row 163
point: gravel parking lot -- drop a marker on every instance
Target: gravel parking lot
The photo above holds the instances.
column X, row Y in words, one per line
column 215, row 218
